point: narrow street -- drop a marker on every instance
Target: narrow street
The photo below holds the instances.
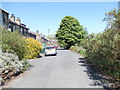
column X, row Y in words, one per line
column 66, row 70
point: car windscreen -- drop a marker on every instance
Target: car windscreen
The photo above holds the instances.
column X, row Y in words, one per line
column 49, row 47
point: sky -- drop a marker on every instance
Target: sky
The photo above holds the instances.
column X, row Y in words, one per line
column 42, row 16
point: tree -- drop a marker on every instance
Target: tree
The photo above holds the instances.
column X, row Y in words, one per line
column 113, row 23
column 113, row 19
column 70, row 32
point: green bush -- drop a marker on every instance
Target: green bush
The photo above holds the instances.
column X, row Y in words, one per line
column 73, row 48
column 14, row 43
column 103, row 52
column 78, row 49
column 82, row 52
column 25, row 48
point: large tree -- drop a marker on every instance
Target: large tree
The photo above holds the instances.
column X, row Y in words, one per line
column 70, row 32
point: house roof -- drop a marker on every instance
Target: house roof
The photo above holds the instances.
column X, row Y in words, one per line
column 4, row 10
column 32, row 32
column 21, row 25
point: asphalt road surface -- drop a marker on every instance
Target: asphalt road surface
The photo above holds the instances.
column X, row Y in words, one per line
column 66, row 70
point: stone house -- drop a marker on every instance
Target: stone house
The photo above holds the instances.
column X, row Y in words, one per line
column 4, row 16
column 35, row 36
column 17, row 25
column 41, row 38
column 12, row 24
column 31, row 34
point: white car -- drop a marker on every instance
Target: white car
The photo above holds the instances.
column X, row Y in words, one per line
column 50, row 50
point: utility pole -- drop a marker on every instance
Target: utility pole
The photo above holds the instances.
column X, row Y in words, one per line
column 48, row 32
column 119, row 6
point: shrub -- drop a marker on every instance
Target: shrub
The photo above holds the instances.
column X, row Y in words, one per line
column 78, row 49
column 103, row 52
column 10, row 65
column 73, row 48
column 33, row 48
column 14, row 43
column 82, row 52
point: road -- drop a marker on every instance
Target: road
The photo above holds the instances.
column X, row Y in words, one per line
column 66, row 70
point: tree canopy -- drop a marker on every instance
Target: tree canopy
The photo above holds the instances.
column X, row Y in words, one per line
column 70, row 32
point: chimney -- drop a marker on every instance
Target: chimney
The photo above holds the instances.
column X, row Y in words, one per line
column 18, row 21
column 13, row 18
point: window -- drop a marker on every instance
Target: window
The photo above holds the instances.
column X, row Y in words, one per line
column 13, row 28
column 1, row 21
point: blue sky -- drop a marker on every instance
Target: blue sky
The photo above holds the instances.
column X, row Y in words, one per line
column 42, row 16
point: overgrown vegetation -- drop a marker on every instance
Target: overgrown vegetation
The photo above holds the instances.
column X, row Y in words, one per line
column 14, row 52
column 11, row 66
column 13, row 42
column 25, row 48
column 103, row 50
column 78, row 49
column 70, row 32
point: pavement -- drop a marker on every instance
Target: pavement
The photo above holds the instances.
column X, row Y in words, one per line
column 66, row 70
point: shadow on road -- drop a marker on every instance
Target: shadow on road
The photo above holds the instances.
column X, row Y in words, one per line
column 53, row 55
column 97, row 78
